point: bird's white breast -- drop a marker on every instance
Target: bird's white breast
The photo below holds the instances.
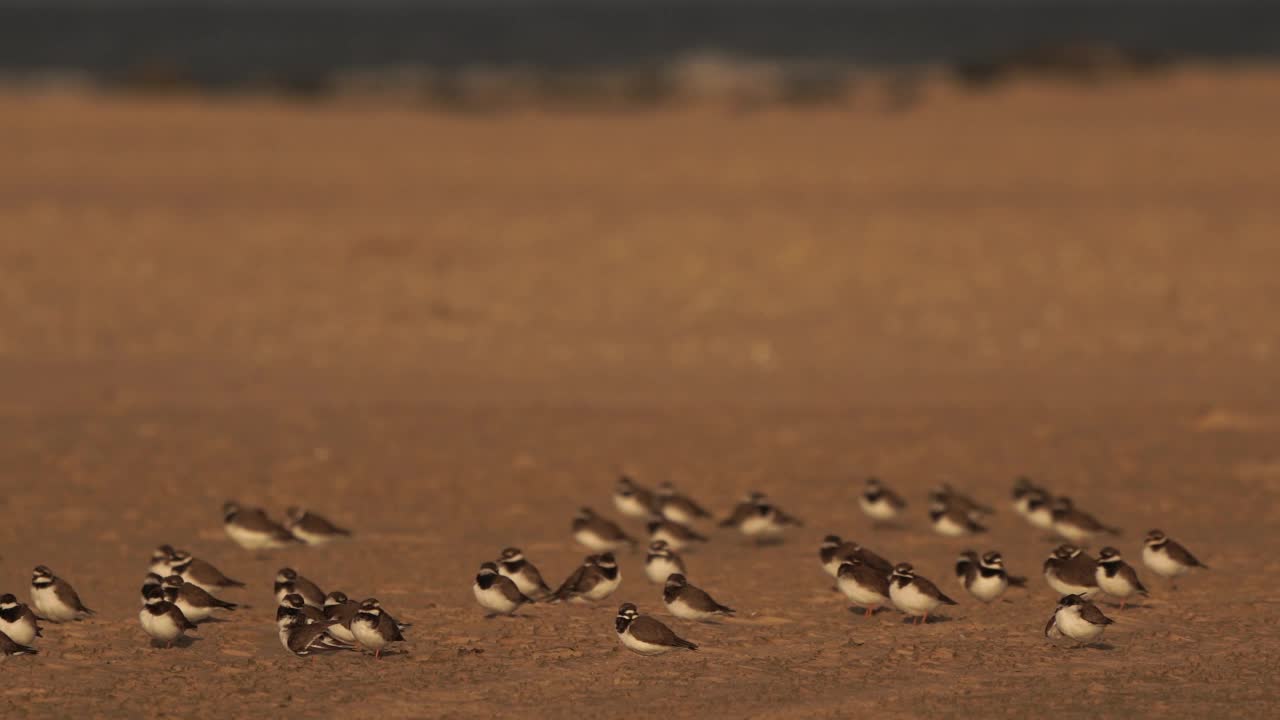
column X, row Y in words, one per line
column 1063, row 588
column 681, row 609
column 658, row 569
column 1071, row 624
column 250, row 539
column 909, row 599
column 630, row 505
column 492, row 599
column 881, row 509
column 859, row 594
column 945, row 526
column 49, row 606
column 23, row 633
column 1041, row 517
column 1162, row 564
column 604, row 588
column 987, row 589
column 367, row 634
column 592, row 541
column 1115, row 585
column 192, row 613
column 758, row 525
column 640, row 646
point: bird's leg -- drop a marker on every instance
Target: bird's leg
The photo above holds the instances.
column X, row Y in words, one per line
column 1122, row 602
column 868, row 612
column 377, row 654
column 925, row 621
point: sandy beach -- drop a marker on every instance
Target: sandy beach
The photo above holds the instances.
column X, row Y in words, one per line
column 449, row 331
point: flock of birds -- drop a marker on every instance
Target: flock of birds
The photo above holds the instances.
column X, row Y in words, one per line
column 178, row 591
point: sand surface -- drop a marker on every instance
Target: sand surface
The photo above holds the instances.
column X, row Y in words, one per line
column 449, row 331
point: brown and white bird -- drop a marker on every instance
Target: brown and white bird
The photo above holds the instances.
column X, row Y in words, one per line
column 303, row 637
column 834, row 552
column 1075, row 525
column 1071, row 571
column 311, row 528
column 17, row 621
column 879, row 502
column 53, row 598
column 374, row 629
column 677, row 537
column 288, row 581
column 914, row 595
column 162, row 620
column 599, row 534
column 251, row 529
column 952, row 520
column 9, row 647
column 196, row 604
column 496, row 593
column 594, row 580
column 946, row 495
column 676, row 507
column 985, row 577
column 528, row 580
column 631, row 499
column 1078, row 619
column 1116, row 577
column 1035, row 505
column 200, row 573
column 292, row 605
column 865, row 586
column 1167, row 558
column 662, row 562
column 161, row 558
column 758, row 518
column 688, row 602
column 646, row 636
column 340, row 610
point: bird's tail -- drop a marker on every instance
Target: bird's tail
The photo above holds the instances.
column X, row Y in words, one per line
column 232, row 583
column 686, row 644
column 224, row 604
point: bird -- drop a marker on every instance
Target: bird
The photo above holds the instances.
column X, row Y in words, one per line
column 17, row 621
column 151, row 580
column 985, row 577
column 1167, row 558
column 342, row 610
column 289, row 581
column 312, row 529
column 1023, row 489
column 292, row 605
column 879, row 502
column 834, row 552
column 951, row 520
column 1038, row 509
column 661, row 562
column 948, row 496
column 251, row 529
column 528, row 580
column 194, row 601
column 595, row 579
column 757, row 518
column 1071, row 571
column 10, row 647
column 1077, row 619
column 914, row 595
column 53, row 598
column 646, row 636
column 200, row 573
column 303, row 638
column 631, row 499
column 676, row 507
column 689, row 602
column 599, row 534
column 374, row 629
column 865, row 586
column 496, row 593
column 676, row 536
column 161, row 558
column 162, row 620
column 1116, row 577
column 1075, row 525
